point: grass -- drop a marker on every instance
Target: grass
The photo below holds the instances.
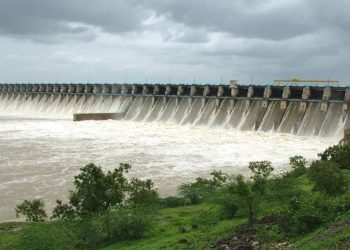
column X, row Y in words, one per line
column 331, row 236
column 9, row 237
column 199, row 224
column 195, row 226
column 187, row 227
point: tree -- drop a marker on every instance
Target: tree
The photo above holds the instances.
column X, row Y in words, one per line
column 192, row 192
column 33, row 210
column 339, row 154
column 299, row 217
column 251, row 191
column 298, row 165
column 63, row 211
column 327, row 177
column 243, row 189
column 142, row 192
column 261, row 171
column 96, row 191
column 196, row 190
column 218, row 178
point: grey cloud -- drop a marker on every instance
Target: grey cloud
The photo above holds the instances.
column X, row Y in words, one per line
column 178, row 38
column 192, row 36
column 267, row 19
column 271, row 19
column 43, row 18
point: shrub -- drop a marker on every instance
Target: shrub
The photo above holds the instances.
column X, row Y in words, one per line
column 97, row 192
column 298, row 218
column 123, row 224
column 192, row 192
column 303, row 216
column 218, row 179
column 298, row 165
column 228, row 206
column 260, row 169
column 342, row 203
column 172, row 201
column 259, row 185
column 331, row 207
column 283, row 189
column 298, row 223
column 339, row 154
column 250, row 192
column 32, row 210
column 327, row 177
column 195, row 191
column 243, row 189
column 53, row 235
column 63, row 211
column 142, row 193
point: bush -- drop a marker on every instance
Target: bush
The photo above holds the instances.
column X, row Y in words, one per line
column 123, row 224
column 96, row 191
column 327, row 178
column 195, row 191
column 192, row 192
column 228, row 206
column 298, row 223
column 298, row 165
column 250, row 192
column 142, row 193
column 172, row 201
column 304, row 216
column 298, row 218
column 53, row 235
column 341, row 203
column 261, row 169
column 339, row 154
column 32, row 210
column 63, row 211
column 244, row 190
column 218, row 179
column 283, row 189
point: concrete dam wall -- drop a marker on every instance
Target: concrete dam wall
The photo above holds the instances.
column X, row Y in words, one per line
column 300, row 110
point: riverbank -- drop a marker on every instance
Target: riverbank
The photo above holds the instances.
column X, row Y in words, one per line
column 201, row 226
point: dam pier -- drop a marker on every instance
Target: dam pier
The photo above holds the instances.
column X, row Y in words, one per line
column 301, row 110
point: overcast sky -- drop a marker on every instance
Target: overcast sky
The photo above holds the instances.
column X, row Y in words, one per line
column 206, row 41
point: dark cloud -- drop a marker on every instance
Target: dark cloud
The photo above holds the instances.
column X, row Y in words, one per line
column 50, row 17
column 269, row 19
column 179, row 38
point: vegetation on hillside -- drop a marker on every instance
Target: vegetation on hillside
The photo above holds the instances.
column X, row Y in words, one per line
column 305, row 208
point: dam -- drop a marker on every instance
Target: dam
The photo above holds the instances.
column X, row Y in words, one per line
column 299, row 110
column 170, row 133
